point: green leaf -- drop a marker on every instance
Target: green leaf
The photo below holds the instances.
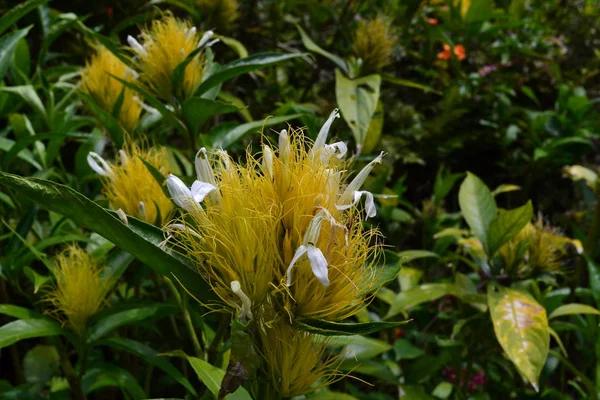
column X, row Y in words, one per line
column 329, row 328
column 404, row 257
column 17, row 12
column 111, row 376
column 406, row 351
column 196, row 111
column 29, row 95
column 573, row 309
column 506, row 225
column 413, row 392
column 505, row 188
column 150, row 356
column 443, row 390
column 406, row 83
column 212, row 376
column 521, row 327
column 8, row 45
column 19, row 312
column 38, row 280
column 134, row 315
column 409, row 278
column 312, row 46
column 478, row 206
column 594, row 273
column 25, row 154
column 226, row 137
column 242, row 66
column 359, row 347
column 40, row 364
column 357, row 99
column 27, row 329
column 375, row 128
column 421, row 294
column 478, row 11
column 116, row 264
column 331, row 396
column 234, row 44
column 138, row 238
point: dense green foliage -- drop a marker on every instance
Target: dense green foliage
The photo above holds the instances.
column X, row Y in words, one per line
column 487, row 198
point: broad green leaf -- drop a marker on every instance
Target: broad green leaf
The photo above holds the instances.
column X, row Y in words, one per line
column 234, row 44
column 506, row 225
column 40, row 364
column 405, row 350
column 116, row 264
column 328, row 328
column 376, row 368
column 242, row 66
column 409, row 278
column 375, row 128
column 138, row 238
column 476, row 10
column 421, row 294
column 407, row 256
column 8, row 45
column 478, row 206
column 312, row 46
column 357, row 99
column 25, row 154
column 359, row 347
column 521, row 327
column 30, row 96
column 150, row 356
column 573, row 309
column 505, row 188
column 388, row 266
column 212, row 376
column 38, row 280
column 225, row 138
column 196, row 111
column 443, row 390
column 111, row 376
column 19, row 312
column 17, row 12
column 413, row 392
column 126, row 317
column 27, row 329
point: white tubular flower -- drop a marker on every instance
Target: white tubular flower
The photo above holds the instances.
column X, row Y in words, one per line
column 322, row 136
column 99, row 165
column 134, row 44
column 285, row 147
column 352, row 194
column 267, row 160
column 205, row 38
column 245, row 311
column 183, row 196
column 142, row 210
column 317, row 260
column 122, row 216
column 205, row 173
column 190, row 32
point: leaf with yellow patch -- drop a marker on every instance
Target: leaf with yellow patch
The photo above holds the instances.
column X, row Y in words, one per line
column 521, row 327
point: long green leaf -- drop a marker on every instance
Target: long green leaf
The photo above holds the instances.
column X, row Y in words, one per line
column 138, row 238
column 242, row 66
column 196, row 111
column 212, row 376
column 312, row 46
column 478, row 206
column 8, row 45
column 27, row 329
column 521, row 327
column 420, row 294
column 328, row 328
column 19, row 312
column 506, row 225
column 17, row 12
column 573, row 309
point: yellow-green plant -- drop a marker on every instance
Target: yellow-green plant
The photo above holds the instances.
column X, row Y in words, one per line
column 373, row 43
column 218, row 14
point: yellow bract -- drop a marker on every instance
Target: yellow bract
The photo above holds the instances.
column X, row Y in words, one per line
column 79, row 291
column 167, row 43
column 374, row 43
column 132, row 188
column 96, row 80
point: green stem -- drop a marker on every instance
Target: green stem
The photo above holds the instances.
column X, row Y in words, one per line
column 72, row 376
column 187, row 318
column 214, row 345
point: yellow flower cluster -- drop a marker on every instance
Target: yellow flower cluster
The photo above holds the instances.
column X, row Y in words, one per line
column 130, row 186
column 96, row 80
column 374, row 43
column 278, row 239
column 79, row 291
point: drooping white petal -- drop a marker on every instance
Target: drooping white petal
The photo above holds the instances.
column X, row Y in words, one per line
column 245, row 311
column 319, row 265
column 99, row 164
column 205, row 38
column 136, row 45
column 180, row 193
column 322, row 136
column 212, row 42
column 370, row 209
column 267, row 160
column 200, row 190
column 358, row 181
column 340, row 147
column 300, row 251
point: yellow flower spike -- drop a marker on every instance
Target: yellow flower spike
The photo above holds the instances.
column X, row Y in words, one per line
column 283, row 225
column 130, row 186
column 96, row 80
column 297, row 362
column 374, row 43
column 79, row 291
column 165, row 45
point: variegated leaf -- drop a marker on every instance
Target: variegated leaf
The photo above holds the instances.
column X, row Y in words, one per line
column 521, row 327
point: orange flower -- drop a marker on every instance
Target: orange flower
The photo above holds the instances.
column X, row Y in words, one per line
column 459, row 52
column 432, row 21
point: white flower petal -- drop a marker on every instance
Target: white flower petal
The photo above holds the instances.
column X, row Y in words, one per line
column 204, row 170
column 205, row 38
column 285, row 148
column 359, row 180
column 370, row 209
column 245, row 311
column 99, row 164
column 267, row 160
column 189, row 33
column 200, row 190
column 319, row 265
column 180, row 193
column 136, row 45
column 341, row 147
column 322, row 136
column 300, row 251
